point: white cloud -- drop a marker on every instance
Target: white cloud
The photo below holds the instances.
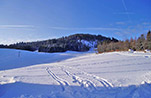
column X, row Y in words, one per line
column 91, row 28
column 15, row 26
column 16, row 40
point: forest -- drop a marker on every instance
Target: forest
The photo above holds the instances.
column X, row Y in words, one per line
column 68, row 43
column 74, row 43
column 137, row 44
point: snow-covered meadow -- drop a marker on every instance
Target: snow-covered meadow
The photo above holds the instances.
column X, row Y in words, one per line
column 26, row 74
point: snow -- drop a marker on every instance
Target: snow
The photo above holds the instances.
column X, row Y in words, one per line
column 147, row 51
column 131, row 50
column 91, row 44
column 74, row 74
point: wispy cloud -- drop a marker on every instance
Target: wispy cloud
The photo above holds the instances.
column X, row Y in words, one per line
column 146, row 23
column 15, row 26
column 124, row 5
column 120, row 23
column 91, row 28
column 134, row 30
column 125, row 13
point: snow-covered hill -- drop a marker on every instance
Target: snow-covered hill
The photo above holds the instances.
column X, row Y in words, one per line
column 74, row 75
column 91, row 44
column 76, row 42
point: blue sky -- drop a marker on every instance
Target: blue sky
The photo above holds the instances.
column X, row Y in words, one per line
column 29, row 20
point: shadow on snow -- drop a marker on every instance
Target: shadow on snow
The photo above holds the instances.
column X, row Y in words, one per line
column 11, row 59
column 26, row 90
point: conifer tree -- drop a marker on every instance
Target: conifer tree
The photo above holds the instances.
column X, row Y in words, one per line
column 148, row 40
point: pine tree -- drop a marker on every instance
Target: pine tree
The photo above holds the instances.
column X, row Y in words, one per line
column 133, row 44
column 148, row 40
column 126, row 45
column 140, row 43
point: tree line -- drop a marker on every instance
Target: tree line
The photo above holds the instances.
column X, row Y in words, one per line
column 67, row 43
column 138, row 44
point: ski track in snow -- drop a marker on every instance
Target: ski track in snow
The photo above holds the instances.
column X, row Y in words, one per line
column 87, row 80
column 61, row 82
column 79, row 77
column 84, row 83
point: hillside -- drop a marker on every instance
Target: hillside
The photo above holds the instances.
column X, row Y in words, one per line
column 76, row 42
column 74, row 74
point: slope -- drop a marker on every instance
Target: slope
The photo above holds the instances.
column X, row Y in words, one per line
column 84, row 75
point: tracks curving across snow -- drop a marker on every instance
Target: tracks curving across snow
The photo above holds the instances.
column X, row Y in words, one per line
column 86, row 80
column 61, row 82
column 84, row 83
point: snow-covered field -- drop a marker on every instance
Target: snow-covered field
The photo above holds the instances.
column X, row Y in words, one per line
column 74, row 75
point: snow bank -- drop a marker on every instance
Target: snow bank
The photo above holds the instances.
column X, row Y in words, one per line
column 26, row 90
column 74, row 75
column 11, row 58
